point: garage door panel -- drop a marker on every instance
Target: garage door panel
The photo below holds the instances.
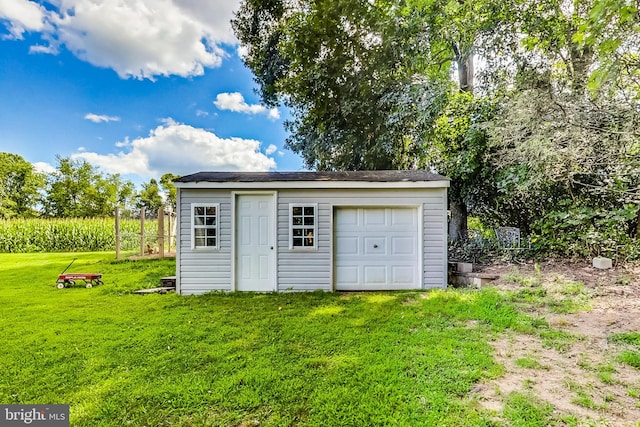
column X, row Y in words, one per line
column 375, row 245
column 403, row 245
column 401, row 217
column 347, row 217
column 376, row 248
column 375, row 274
column 348, row 246
column 373, row 217
column 349, row 274
column 403, row 275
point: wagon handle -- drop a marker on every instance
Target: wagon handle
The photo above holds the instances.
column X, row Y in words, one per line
column 69, row 265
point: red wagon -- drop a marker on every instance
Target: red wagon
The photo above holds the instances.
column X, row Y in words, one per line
column 69, row 279
column 90, row 279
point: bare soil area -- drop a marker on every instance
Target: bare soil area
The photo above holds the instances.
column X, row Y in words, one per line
column 584, row 380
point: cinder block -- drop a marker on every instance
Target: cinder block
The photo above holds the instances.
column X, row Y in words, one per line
column 464, row 267
column 602, row 263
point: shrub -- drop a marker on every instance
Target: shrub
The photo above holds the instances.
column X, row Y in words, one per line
column 583, row 231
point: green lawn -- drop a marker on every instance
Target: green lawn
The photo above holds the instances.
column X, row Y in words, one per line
column 307, row 359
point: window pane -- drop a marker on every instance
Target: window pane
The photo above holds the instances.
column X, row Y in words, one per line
column 199, row 210
column 211, row 232
column 211, row 210
column 211, row 220
column 297, row 241
column 308, row 210
column 198, row 220
column 297, row 210
column 297, row 232
column 308, row 233
column 297, row 220
column 199, row 242
column 308, row 220
column 199, row 232
column 211, row 241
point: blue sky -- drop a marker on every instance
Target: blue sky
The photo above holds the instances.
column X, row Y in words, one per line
column 135, row 87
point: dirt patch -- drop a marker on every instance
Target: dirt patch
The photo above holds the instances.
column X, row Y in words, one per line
column 584, row 379
column 154, row 255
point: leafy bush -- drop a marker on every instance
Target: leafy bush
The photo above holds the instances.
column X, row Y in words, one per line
column 584, row 231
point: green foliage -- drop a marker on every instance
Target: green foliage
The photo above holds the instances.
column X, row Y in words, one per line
column 19, row 187
column 69, row 235
column 78, row 189
column 166, row 182
column 584, row 231
column 150, row 198
column 308, row 359
column 348, row 70
column 457, row 147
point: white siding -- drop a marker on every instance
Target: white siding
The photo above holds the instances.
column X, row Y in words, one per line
column 434, row 232
column 306, row 270
column 205, row 270
column 311, row 270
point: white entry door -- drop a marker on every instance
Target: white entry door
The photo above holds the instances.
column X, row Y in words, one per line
column 376, row 248
column 255, row 253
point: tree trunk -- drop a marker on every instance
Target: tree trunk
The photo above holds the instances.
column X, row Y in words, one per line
column 465, row 74
column 457, row 206
column 458, row 222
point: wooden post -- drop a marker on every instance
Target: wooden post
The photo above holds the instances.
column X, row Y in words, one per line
column 142, row 248
column 161, row 231
column 117, row 232
column 169, row 230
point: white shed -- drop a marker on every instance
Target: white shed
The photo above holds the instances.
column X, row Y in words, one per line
column 303, row 231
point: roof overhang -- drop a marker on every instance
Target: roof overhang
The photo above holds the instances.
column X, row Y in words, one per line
column 312, row 184
column 343, row 180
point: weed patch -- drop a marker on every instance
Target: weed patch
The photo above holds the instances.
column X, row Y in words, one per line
column 526, row 410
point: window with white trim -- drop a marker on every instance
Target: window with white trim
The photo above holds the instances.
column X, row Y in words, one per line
column 303, row 223
column 204, row 220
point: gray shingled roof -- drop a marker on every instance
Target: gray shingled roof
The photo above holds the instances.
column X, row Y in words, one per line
column 367, row 176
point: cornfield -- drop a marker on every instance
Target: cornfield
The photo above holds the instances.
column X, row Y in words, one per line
column 72, row 235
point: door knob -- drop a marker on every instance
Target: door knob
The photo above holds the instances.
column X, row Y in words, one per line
column 375, row 246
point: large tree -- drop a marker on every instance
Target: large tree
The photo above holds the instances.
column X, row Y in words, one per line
column 20, row 187
column 567, row 129
column 77, row 189
column 170, row 193
column 340, row 65
column 369, row 82
column 150, row 199
column 394, row 85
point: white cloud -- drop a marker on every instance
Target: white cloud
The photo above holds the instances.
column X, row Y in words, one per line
column 43, row 167
column 243, row 51
column 137, row 38
column 100, row 118
column 181, row 149
column 22, row 15
column 270, row 149
column 235, row 102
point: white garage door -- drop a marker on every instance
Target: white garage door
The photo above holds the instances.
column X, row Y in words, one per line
column 376, row 248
